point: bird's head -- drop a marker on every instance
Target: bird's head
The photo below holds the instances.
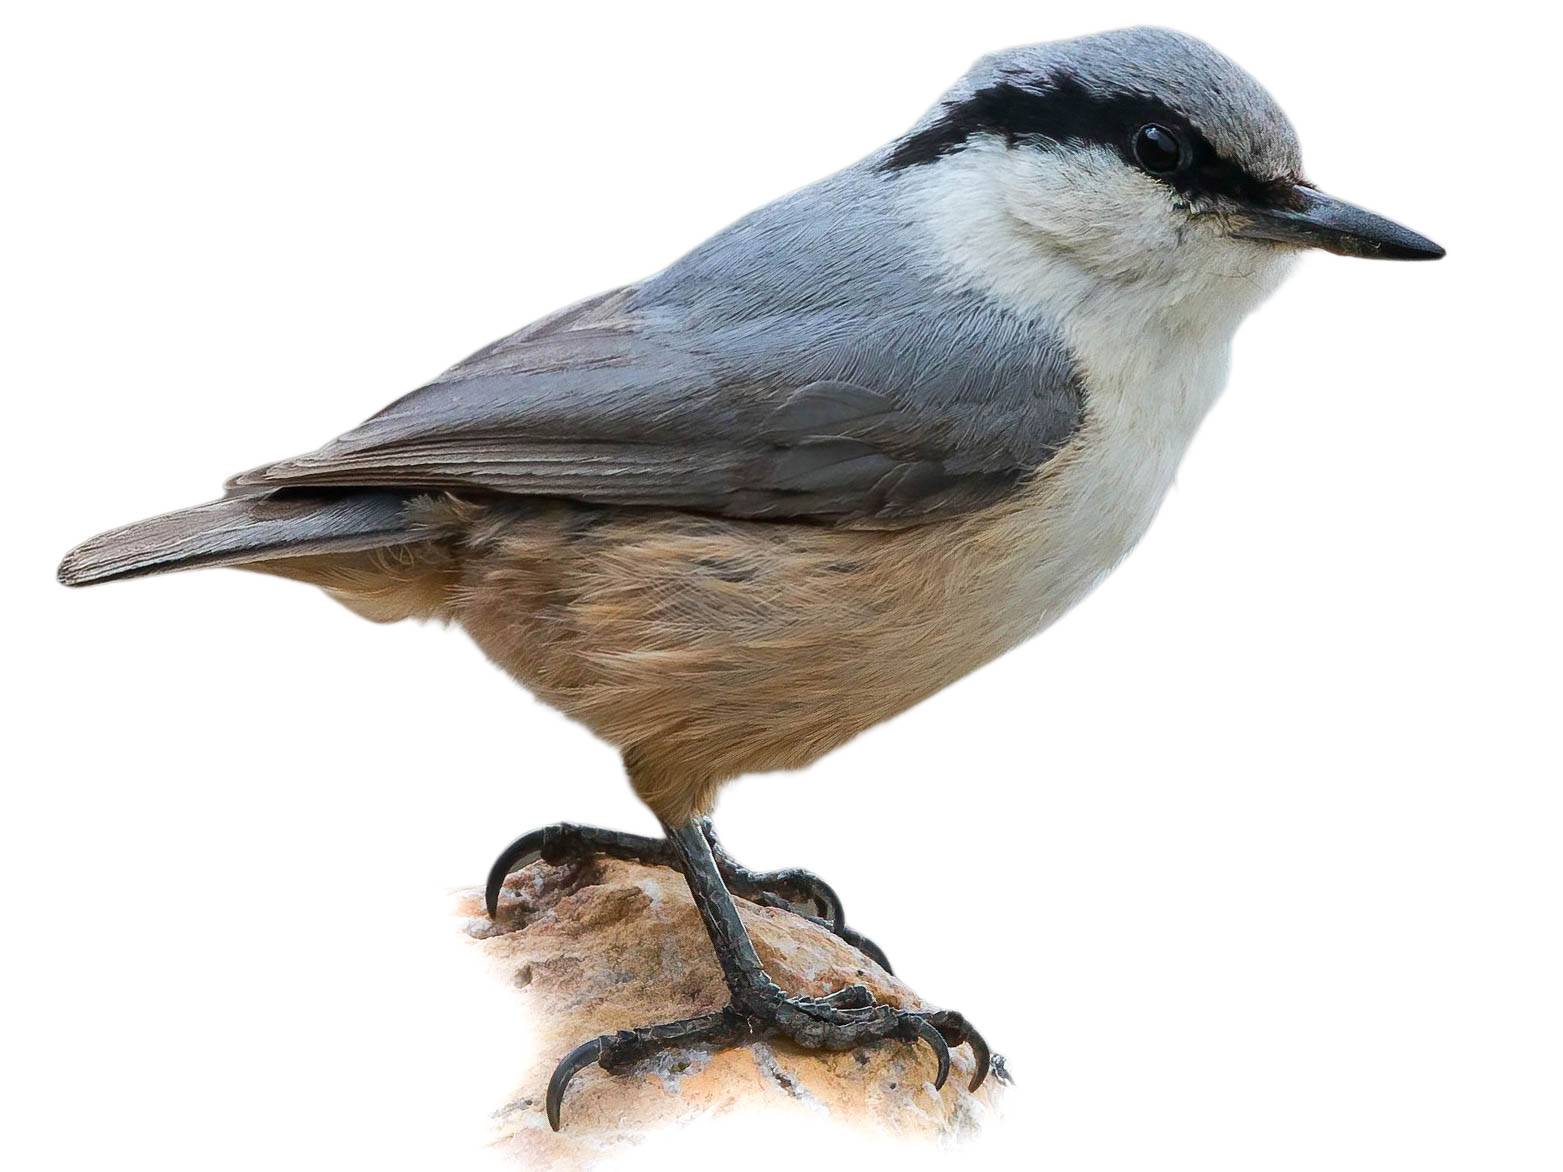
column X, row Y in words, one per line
column 1139, row 161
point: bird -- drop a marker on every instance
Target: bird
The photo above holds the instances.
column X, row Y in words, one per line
column 846, row 451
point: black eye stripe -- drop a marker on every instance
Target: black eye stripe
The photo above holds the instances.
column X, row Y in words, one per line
column 1065, row 111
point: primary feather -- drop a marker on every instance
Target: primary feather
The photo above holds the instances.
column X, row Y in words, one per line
column 240, row 530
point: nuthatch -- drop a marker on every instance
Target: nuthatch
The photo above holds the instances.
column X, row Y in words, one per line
column 846, row 451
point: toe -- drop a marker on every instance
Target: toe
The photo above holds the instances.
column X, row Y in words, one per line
column 851, row 997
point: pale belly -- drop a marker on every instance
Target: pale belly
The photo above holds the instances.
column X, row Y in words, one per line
column 708, row 648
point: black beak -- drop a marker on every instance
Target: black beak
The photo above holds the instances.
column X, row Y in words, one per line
column 1312, row 219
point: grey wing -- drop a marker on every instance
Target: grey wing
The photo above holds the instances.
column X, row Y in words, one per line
column 885, row 423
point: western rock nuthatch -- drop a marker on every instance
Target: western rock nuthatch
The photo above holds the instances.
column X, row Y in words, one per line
column 846, row 451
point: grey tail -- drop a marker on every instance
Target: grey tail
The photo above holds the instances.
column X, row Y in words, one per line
column 243, row 529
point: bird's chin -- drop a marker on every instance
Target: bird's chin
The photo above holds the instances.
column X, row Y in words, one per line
column 1211, row 282
column 1258, row 260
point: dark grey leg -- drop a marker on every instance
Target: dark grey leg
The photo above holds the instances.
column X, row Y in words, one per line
column 759, row 1008
column 794, row 890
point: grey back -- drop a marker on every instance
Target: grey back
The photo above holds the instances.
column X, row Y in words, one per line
column 808, row 361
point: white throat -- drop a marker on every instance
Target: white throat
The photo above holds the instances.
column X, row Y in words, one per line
column 1147, row 307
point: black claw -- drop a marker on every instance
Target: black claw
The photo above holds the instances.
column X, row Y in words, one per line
column 524, row 850
column 979, row 1051
column 571, row 1065
column 921, row 1027
column 866, row 946
column 957, row 1030
column 826, row 901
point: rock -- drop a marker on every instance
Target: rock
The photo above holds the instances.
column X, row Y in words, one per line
column 608, row 945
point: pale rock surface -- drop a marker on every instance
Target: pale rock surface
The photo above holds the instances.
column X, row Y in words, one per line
column 609, row 945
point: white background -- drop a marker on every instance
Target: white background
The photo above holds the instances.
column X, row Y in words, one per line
column 1252, row 862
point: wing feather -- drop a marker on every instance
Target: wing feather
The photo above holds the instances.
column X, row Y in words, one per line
column 617, row 402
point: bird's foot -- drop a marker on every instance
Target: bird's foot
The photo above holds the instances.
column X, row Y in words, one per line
column 844, row 1020
column 801, row 892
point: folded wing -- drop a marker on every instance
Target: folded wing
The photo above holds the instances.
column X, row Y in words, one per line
column 822, row 416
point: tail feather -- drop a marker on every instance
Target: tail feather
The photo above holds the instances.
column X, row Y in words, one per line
column 238, row 530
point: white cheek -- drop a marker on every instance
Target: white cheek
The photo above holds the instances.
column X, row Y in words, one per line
column 1076, row 235
column 1088, row 206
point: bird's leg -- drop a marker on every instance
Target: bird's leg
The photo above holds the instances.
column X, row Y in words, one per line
column 758, row 1007
column 795, row 890
column 792, row 889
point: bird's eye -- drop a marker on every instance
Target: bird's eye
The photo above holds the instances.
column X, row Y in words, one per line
column 1157, row 149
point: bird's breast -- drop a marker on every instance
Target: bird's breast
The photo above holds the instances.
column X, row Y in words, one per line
column 1087, row 509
